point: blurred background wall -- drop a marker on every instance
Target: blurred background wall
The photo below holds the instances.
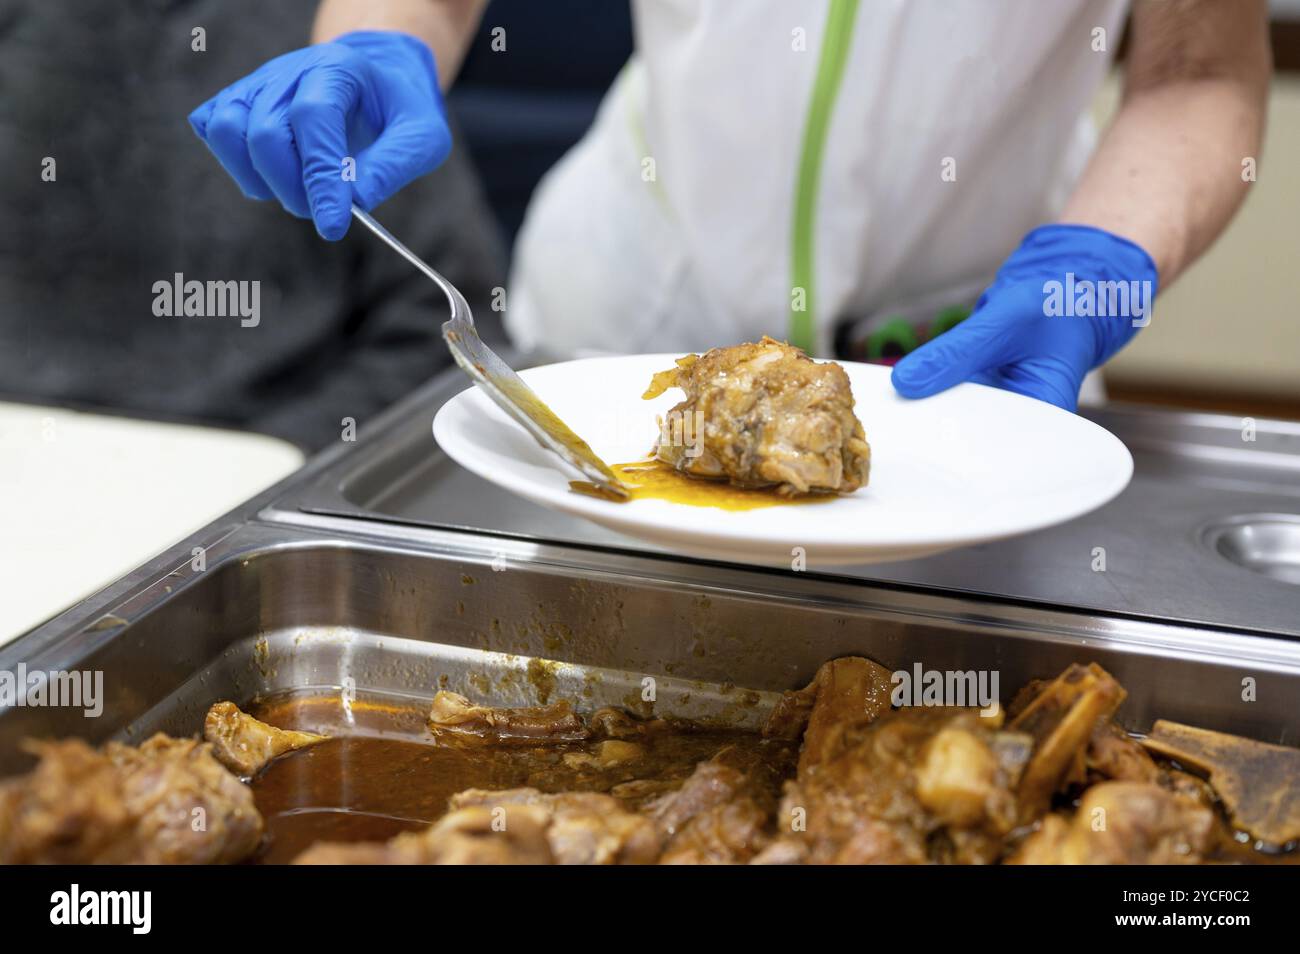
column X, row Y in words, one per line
column 518, row 114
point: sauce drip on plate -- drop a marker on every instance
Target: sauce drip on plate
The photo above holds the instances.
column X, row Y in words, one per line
column 654, row 480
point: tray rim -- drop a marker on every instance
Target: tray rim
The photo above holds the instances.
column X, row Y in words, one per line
column 82, row 630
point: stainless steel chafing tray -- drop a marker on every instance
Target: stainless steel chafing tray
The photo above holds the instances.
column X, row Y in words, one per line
column 382, row 566
column 401, row 612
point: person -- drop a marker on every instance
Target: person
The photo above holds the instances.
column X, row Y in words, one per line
column 811, row 171
column 110, row 197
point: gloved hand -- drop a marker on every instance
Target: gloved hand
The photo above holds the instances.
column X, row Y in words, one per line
column 285, row 130
column 1035, row 337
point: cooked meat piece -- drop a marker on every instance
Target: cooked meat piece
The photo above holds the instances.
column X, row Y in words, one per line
column 167, row 802
column 1114, row 754
column 851, row 694
column 731, row 833
column 916, row 785
column 1259, row 783
column 763, row 415
column 718, row 816
column 512, row 835
column 881, row 786
column 782, row 852
column 845, row 695
column 582, row 828
column 554, row 723
column 1062, row 719
column 606, row 754
column 1111, row 754
column 708, row 787
column 789, row 717
column 961, row 782
column 243, row 744
column 1189, row 786
column 1123, row 823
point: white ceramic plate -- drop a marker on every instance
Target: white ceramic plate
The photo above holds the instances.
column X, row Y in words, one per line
column 969, row 465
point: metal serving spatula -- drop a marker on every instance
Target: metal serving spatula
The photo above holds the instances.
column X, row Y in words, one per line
column 506, row 389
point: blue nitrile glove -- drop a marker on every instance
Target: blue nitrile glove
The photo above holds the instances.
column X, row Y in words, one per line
column 286, row 130
column 1033, row 330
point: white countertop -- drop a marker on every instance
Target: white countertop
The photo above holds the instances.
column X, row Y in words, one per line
column 85, row 498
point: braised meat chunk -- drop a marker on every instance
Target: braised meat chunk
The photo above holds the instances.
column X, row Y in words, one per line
column 720, row 815
column 1258, row 783
column 844, row 697
column 452, row 712
column 244, row 744
column 1122, row 823
column 127, row 805
column 514, row 835
column 917, row 786
column 521, row 826
column 763, row 415
column 893, row 787
column 582, row 828
column 1062, row 720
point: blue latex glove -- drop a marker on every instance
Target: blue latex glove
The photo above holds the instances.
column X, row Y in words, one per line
column 284, row 131
column 1029, row 332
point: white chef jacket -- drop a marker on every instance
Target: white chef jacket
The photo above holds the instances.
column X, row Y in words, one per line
column 953, row 128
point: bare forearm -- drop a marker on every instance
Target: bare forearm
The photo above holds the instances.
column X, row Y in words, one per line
column 445, row 25
column 1168, row 174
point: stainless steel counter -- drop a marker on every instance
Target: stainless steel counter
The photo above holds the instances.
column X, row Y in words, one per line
column 1208, row 532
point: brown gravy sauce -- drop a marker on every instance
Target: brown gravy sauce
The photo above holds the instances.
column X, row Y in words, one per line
column 383, row 773
column 654, row 480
